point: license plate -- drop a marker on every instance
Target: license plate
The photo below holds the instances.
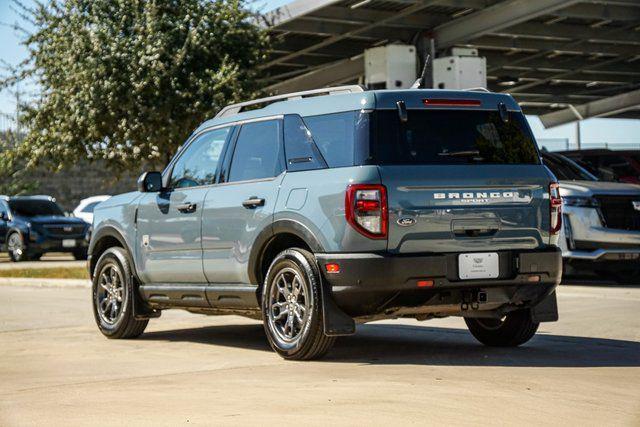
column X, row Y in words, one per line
column 68, row 243
column 478, row 266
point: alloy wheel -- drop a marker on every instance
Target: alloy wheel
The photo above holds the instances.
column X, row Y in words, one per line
column 15, row 246
column 110, row 295
column 288, row 309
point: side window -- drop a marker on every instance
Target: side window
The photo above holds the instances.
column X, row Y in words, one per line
column 197, row 165
column 257, row 151
column 334, row 134
column 301, row 151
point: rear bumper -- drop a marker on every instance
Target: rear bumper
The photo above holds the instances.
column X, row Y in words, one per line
column 371, row 283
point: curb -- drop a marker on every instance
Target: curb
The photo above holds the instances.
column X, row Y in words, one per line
column 45, row 283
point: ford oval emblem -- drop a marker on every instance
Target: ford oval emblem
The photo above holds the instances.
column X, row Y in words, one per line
column 406, row 222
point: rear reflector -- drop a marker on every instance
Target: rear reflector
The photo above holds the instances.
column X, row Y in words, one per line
column 534, row 279
column 425, row 283
column 332, row 268
column 452, row 102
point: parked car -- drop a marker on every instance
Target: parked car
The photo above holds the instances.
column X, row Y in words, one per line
column 85, row 208
column 601, row 229
column 33, row 225
column 315, row 213
column 608, row 165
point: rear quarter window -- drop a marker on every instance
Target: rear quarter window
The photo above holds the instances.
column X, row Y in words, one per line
column 334, row 135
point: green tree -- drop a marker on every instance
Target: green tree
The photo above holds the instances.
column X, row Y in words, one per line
column 15, row 179
column 127, row 80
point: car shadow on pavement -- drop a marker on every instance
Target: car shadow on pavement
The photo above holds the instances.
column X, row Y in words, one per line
column 422, row 345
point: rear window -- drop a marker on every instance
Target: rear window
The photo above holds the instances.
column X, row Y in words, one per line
column 443, row 137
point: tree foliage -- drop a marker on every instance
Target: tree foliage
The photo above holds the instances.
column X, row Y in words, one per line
column 127, row 80
column 15, row 179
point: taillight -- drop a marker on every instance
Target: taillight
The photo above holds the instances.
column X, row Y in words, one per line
column 555, row 207
column 366, row 209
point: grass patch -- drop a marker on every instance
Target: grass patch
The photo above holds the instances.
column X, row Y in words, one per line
column 47, row 273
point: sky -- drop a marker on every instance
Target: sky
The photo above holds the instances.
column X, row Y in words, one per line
column 616, row 132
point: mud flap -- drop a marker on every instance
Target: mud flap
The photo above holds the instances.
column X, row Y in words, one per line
column 141, row 311
column 336, row 322
column 546, row 310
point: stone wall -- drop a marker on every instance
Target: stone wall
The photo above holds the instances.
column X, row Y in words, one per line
column 71, row 185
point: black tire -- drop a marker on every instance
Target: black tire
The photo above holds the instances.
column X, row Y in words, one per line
column 307, row 340
column 17, row 247
column 80, row 255
column 515, row 329
column 118, row 323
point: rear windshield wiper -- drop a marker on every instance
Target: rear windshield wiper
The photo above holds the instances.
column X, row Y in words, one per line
column 467, row 153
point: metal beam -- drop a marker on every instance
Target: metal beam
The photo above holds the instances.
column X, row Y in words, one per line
column 363, row 16
column 600, row 11
column 569, row 32
column 334, row 39
column 317, row 27
column 294, row 10
column 495, row 18
column 498, row 61
column 586, row 47
column 337, row 72
column 564, row 74
column 599, row 108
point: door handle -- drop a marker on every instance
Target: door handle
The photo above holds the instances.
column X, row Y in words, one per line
column 187, row 207
column 253, row 202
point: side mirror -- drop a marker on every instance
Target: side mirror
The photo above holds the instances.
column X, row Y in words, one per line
column 150, row 182
column 4, row 216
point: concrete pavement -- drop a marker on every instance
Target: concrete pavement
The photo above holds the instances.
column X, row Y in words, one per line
column 56, row 369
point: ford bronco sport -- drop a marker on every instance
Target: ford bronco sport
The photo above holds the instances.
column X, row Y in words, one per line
column 339, row 206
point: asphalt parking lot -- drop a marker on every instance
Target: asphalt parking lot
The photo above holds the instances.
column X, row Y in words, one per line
column 55, row 368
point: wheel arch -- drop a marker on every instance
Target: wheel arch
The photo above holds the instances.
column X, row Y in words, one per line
column 103, row 239
column 282, row 234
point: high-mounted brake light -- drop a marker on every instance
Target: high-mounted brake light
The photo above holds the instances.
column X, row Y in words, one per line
column 555, row 208
column 366, row 209
column 452, row 102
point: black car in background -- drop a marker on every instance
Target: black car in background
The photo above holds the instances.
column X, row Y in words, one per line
column 33, row 225
column 608, row 165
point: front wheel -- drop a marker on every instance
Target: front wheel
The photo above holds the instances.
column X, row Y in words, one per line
column 113, row 296
column 292, row 307
column 17, row 248
column 514, row 329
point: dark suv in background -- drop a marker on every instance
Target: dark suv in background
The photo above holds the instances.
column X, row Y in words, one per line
column 33, row 225
column 608, row 165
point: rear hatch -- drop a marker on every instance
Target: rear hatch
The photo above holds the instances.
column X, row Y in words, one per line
column 461, row 180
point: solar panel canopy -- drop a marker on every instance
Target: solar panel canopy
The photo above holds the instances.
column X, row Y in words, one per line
column 560, row 59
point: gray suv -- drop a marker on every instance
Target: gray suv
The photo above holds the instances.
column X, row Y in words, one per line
column 339, row 206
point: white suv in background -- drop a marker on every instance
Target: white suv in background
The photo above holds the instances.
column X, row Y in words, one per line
column 601, row 222
column 85, row 208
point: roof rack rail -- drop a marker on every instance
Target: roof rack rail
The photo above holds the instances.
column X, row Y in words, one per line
column 232, row 109
column 478, row 89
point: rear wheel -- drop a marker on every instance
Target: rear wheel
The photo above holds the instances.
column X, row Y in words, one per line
column 514, row 329
column 292, row 307
column 113, row 296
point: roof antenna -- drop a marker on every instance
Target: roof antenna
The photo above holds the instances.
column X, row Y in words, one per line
column 421, row 82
